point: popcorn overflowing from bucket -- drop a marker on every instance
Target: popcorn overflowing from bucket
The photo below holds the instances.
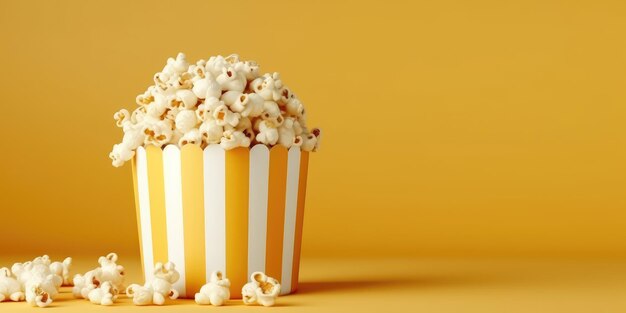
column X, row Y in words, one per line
column 222, row 101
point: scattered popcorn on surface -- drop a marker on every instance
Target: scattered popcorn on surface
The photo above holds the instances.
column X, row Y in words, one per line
column 105, row 294
column 37, row 281
column 216, row 291
column 262, row 290
column 62, row 269
column 85, row 283
column 154, row 291
column 222, row 101
column 40, row 290
column 10, row 288
column 109, row 271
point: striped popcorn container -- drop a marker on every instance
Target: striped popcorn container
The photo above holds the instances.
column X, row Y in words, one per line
column 238, row 211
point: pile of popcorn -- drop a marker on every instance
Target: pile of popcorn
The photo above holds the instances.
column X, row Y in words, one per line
column 102, row 284
column 222, row 101
column 38, row 282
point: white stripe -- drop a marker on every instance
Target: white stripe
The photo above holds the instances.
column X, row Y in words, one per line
column 174, row 213
column 291, row 201
column 215, row 209
column 144, row 212
column 257, row 215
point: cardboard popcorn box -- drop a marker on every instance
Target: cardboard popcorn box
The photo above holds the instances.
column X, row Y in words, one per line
column 238, row 211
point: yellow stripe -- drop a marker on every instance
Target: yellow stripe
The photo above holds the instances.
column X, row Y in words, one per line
column 193, row 218
column 237, row 192
column 134, row 169
column 156, row 189
column 304, row 165
column 276, row 211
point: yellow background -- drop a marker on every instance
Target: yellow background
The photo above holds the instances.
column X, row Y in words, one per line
column 450, row 128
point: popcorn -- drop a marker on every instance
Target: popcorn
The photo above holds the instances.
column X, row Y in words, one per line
column 176, row 136
column 223, row 116
column 310, row 142
column 271, row 109
column 268, row 86
column 232, row 59
column 37, row 281
column 230, row 97
column 193, row 137
column 160, row 80
column 146, row 97
column 157, row 108
column 133, row 138
column 40, row 290
column 10, row 288
column 38, row 268
column 157, row 134
column 22, row 272
column 84, row 284
column 245, row 126
column 40, row 285
column 216, row 64
column 294, row 107
column 62, row 269
column 297, row 127
column 223, row 100
column 232, row 80
column 287, row 136
column 121, row 117
column 155, row 290
column 215, row 292
column 112, row 272
column 176, row 66
column 186, row 120
column 171, row 112
column 247, row 104
column 285, row 96
column 109, row 271
column 138, row 115
column 211, row 132
column 205, row 111
column 44, row 259
column 207, row 87
column 268, row 133
column 120, row 154
column 187, row 97
column 262, row 289
column 249, row 68
column 106, row 294
column 233, row 139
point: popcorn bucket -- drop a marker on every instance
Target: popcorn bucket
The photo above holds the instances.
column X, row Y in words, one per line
column 238, row 211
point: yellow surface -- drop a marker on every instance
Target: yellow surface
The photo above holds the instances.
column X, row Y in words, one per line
column 450, row 127
column 413, row 285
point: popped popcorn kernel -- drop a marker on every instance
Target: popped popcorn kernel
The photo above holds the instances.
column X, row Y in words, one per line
column 262, row 289
column 215, row 292
column 156, row 290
